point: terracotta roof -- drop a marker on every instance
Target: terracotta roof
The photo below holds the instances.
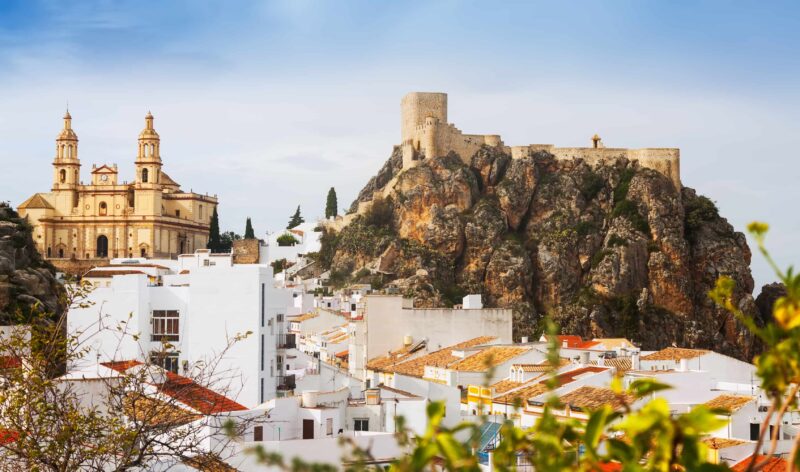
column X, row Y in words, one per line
column 722, row 443
column 731, row 403
column 107, row 274
column 571, row 340
column 773, row 464
column 441, row 358
column 674, row 354
column 37, row 201
column 622, row 364
column 541, row 367
column 505, row 385
column 592, row 398
column 539, row 387
column 344, row 353
column 302, row 317
column 398, row 391
column 487, row 358
column 10, row 362
column 394, row 357
column 208, row 463
column 8, row 436
column 186, row 391
column 613, row 343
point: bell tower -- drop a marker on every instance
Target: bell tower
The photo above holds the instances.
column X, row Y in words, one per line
column 148, row 160
column 66, row 165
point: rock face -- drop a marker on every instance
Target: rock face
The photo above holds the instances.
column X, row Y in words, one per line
column 607, row 250
column 26, row 281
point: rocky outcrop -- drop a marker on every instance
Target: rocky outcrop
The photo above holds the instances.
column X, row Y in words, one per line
column 27, row 283
column 610, row 249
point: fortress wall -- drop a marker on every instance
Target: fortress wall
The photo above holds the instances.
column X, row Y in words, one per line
column 417, row 106
column 663, row 160
column 449, row 138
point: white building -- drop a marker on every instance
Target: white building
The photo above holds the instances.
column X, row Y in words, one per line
column 199, row 311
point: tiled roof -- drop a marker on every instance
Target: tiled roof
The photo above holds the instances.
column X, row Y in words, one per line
column 613, row 343
column 722, row 443
column 105, row 274
column 10, row 362
column 37, row 201
column 441, row 358
column 303, row 317
column 622, row 364
column 571, row 340
column 344, row 353
column 541, row 367
column 504, row 386
column 592, row 398
column 731, row 403
column 539, row 387
column 186, row 391
column 487, row 358
column 773, row 464
column 674, row 354
column 394, row 357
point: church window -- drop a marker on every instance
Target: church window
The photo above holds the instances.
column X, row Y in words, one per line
column 103, row 209
column 144, row 175
column 49, row 252
column 62, row 176
column 143, row 252
column 61, row 252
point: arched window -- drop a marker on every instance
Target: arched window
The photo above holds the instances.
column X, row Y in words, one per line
column 144, row 175
column 69, row 151
column 152, row 150
column 62, row 176
column 63, row 152
column 61, row 252
column 102, row 246
column 103, row 209
column 143, row 251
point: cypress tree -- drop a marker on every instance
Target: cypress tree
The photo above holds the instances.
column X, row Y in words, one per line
column 332, row 205
column 213, row 236
column 248, row 230
column 296, row 219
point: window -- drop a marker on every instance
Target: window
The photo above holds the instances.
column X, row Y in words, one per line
column 102, row 246
column 165, row 325
column 271, row 368
column 261, row 390
column 61, row 252
column 352, row 307
column 165, row 360
column 144, row 175
column 201, row 212
column 329, row 426
column 258, row 433
column 280, row 318
column 103, row 209
column 755, row 429
column 262, row 304
column 178, row 213
column 361, row 424
column 62, row 176
column 262, row 352
column 49, row 251
column 143, row 252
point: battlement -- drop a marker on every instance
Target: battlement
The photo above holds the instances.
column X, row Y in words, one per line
column 426, row 134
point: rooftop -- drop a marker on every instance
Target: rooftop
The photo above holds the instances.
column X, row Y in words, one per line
column 488, row 358
column 441, row 358
column 731, row 403
column 674, row 354
column 722, row 443
column 773, row 464
column 622, row 364
column 592, row 398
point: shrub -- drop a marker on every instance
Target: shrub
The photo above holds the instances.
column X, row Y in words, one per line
column 621, row 190
column 617, row 241
column 629, row 210
column 598, row 257
column 380, row 213
column 590, row 185
column 697, row 212
column 585, row 227
column 287, row 239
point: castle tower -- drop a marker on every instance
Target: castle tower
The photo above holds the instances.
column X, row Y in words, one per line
column 66, row 165
column 148, row 159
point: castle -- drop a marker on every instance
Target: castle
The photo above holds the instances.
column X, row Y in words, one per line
column 77, row 226
column 426, row 133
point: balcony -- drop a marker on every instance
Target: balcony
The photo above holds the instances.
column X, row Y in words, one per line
column 285, row 382
column 285, row 341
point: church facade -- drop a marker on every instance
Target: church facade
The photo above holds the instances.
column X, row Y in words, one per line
column 77, row 225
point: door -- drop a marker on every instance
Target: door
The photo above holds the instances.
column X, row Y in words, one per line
column 102, row 246
column 308, row 429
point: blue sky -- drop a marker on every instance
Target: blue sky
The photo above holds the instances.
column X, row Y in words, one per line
column 268, row 104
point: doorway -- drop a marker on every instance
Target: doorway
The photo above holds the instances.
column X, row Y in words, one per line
column 102, row 246
column 308, row 429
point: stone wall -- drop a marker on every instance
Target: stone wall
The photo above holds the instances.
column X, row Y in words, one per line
column 246, row 251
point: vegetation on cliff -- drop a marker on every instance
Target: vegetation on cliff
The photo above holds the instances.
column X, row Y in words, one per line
column 607, row 250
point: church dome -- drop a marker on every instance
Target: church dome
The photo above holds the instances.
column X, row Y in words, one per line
column 148, row 132
column 67, row 133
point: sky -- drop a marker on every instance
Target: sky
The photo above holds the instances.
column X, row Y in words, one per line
column 269, row 104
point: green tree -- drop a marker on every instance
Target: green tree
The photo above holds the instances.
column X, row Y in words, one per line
column 248, row 230
column 213, row 233
column 226, row 240
column 296, row 219
column 332, row 205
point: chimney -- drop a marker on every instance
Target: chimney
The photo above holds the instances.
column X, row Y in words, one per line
column 564, row 344
column 585, row 358
column 524, row 340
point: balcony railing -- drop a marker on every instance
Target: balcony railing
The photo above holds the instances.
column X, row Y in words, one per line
column 285, row 382
column 286, row 341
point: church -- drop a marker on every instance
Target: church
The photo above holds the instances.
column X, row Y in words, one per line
column 77, row 226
